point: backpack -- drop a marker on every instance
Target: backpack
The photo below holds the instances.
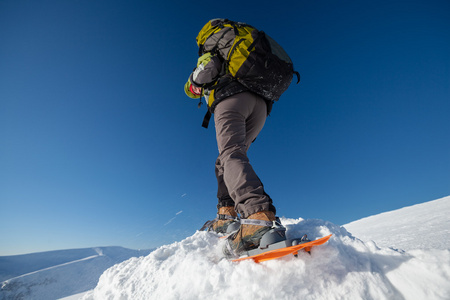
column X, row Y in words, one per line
column 250, row 56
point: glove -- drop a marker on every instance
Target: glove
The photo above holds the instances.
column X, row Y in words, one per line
column 190, row 90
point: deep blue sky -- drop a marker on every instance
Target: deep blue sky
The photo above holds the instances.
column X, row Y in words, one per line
column 99, row 145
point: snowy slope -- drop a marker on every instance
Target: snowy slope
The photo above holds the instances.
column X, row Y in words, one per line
column 422, row 226
column 344, row 268
column 16, row 265
column 56, row 274
column 349, row 266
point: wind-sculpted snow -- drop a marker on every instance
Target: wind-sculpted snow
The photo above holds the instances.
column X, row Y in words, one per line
column 344, row 268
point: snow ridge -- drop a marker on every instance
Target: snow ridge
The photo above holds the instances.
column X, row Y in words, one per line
column 49, row 268
column 56, row 274
column 344, row 268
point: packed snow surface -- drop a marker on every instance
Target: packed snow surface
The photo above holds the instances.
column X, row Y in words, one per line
column 421, row 226
column 344, row 268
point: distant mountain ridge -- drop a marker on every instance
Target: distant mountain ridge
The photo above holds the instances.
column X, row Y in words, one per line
column 57, row 274
column 17, row 265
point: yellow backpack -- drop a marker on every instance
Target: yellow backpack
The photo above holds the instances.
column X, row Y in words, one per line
column 250, row 56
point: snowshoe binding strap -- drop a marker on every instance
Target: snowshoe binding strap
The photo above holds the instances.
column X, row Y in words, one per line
column 230, row 253
column 209, row 224
column 276, row 223
column 226, row 217
column 256, row 222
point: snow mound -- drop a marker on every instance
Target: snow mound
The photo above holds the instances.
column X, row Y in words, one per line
column 421, row 226
column 343, row 268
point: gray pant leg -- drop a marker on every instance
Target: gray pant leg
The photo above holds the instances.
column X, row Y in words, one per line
column 222, row 191
column 238, row 121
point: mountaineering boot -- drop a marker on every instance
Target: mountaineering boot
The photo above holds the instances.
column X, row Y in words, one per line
column 226, row 216
column 249, row 235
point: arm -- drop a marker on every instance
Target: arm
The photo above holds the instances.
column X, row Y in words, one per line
column 206, row 73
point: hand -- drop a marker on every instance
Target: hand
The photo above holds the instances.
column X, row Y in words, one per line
column 195, row 90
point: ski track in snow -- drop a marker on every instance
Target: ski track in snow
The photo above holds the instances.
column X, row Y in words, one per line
column 344, row 268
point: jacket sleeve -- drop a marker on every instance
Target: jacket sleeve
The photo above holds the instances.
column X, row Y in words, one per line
column 207, row 71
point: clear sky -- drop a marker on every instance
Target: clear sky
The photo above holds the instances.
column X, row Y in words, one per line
column 99, row 145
